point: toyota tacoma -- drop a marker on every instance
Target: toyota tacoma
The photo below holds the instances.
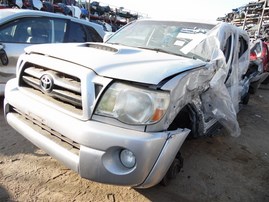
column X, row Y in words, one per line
column 118, row 112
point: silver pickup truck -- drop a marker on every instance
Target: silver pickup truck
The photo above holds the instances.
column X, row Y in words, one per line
column 118, row 112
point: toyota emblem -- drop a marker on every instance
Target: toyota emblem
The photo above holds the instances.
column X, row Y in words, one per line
column 46, row 83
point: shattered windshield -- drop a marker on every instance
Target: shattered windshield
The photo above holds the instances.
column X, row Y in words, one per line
column 171, row 37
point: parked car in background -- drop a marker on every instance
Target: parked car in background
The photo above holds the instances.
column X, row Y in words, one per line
column 122, row 120
column 259, row 64
column 20, row 28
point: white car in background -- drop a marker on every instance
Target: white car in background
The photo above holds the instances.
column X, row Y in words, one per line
column 20, row 28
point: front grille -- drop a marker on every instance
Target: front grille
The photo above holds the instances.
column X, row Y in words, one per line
column 58, row 87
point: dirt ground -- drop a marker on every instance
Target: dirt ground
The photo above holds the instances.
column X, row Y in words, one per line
column 219, row 168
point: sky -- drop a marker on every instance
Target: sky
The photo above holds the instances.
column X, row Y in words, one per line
column 205, row 10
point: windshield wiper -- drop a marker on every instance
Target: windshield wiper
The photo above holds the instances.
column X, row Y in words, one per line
column 165, row 51
column 153, row 49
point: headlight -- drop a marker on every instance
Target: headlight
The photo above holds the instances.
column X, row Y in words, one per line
column 133, row 105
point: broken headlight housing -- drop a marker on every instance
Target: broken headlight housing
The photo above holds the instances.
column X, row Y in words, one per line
column 133, row 105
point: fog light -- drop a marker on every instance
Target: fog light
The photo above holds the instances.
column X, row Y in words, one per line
column 127, row 158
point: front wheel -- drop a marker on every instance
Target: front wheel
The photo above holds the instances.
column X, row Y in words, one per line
column 266, row 81
column 245, row 99
column 173, row 170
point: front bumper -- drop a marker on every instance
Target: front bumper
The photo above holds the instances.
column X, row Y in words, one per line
column 97, row 156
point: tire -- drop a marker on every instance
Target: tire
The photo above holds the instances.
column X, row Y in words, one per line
column 172, row 172
column 266, row 81
column 245, row 99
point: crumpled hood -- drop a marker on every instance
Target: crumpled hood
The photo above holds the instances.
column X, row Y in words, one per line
column 119, row 62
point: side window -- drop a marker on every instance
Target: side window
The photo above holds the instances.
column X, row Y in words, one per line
column 7, row 33
column 243, row 46
column 27, row 30
column 76, row 33
column 227, row 48
column 93, row 36
column 228, row 53
column 60, row 30
column 39, row 31
column 16, row 31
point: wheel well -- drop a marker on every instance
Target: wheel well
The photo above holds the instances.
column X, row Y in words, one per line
column 186, row 118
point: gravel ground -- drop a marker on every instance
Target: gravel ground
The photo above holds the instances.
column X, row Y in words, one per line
column 218, row 168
